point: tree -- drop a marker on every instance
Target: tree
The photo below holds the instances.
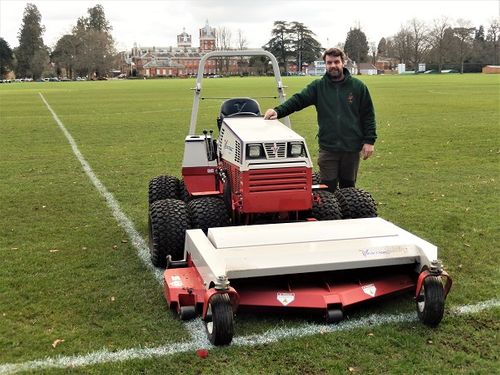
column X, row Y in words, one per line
column 30, row 44
column 223, row 43
column 493, row 39
column 382, row 47
column 241, row 44
column 6, row 58
column 89, row 50
column 418, row 41
column 463, row 34
column 438, row 39
column 280, row 43
column 402, row 45
column 305, row 48
column 65, row 53
column 356, row 45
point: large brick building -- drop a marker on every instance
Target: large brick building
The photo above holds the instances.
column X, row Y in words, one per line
column 179, row 61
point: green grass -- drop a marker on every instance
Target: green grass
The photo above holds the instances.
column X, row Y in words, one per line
column 67, row 271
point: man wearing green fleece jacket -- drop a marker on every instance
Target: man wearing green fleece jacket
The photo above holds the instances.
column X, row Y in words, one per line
column 346, row 120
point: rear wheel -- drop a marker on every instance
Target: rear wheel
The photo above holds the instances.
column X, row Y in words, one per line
column 163, row 187
column 430, row 301
column 208, row 212
column 356, row 203
column 168, row 222
column 326, row 207
column 219, row 320
column 316, row 178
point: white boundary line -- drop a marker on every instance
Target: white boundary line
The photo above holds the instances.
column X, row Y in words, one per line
column 195, row 328
column 271, row 336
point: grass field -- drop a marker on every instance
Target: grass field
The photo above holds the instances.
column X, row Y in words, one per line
column 70, row 272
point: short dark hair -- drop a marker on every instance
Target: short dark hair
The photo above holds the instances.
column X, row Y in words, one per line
column 335, row 52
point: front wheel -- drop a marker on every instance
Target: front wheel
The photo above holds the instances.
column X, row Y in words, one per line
column 167, row 224
column 356, row 203
column 430, row 301
column 219, row 320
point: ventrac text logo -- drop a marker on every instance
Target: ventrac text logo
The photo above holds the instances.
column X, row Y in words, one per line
column 350, row 98
column 275, row 148
column 227, row 147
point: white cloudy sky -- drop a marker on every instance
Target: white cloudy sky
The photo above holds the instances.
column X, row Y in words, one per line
column 156, row 23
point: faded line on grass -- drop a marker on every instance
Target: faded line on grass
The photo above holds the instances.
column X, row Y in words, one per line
column 271, row 336
column 122, row 219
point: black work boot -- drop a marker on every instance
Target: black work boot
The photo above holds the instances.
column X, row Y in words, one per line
column 332, row 184
column 346, row 183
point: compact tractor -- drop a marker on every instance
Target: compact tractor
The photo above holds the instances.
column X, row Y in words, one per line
column 251, row 226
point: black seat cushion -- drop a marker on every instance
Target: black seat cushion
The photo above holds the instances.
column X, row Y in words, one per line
column 236, row 105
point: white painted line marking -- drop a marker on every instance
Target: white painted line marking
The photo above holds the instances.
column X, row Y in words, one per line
column 122, row 219
column 271, row 336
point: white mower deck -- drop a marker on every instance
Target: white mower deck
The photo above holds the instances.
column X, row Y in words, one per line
column 304, row 247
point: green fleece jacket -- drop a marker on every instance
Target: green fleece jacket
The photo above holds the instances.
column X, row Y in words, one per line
column 345, row 113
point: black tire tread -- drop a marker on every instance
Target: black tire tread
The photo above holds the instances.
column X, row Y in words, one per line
column 222, row 318
column 433, row 311
column 207, row 212
column 356, row 203
column 163, row 187
column 327, row 208
column 168, row 221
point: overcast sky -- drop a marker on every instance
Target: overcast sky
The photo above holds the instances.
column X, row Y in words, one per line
column 156, row 23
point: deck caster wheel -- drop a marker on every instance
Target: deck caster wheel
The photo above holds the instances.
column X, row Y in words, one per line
column 187, row 312
column 430, row 301
column 334, row 316
column 219, row 320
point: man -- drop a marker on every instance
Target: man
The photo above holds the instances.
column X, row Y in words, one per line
column 346, row 120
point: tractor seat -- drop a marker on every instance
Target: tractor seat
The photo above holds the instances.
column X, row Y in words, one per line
column 238, row 107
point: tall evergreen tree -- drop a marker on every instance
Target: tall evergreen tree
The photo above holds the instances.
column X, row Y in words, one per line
column 305, row 47
column 31, row 44
column 6, row 58
column 280, row 43
column 356, row 45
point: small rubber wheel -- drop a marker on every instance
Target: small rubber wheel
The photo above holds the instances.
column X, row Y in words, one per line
column 430, row 301
column 219, row 320
column 334, row 316
column 187, row 312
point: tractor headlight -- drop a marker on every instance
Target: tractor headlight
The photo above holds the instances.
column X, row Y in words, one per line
column 254, row 150
column 295, row 149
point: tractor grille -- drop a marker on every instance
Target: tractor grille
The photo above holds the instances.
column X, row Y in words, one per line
column 286, row 179
column 275, row 150
column 237, row 152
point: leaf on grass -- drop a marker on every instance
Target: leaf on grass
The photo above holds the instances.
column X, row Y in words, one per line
column 429, row 341
column 14, row 248
column 371, row 334
column 57, row 342
column 112, row 299
column 466, row 244
column 115, row 247
column 53, row 250
column 124, row 241
column 353, row 369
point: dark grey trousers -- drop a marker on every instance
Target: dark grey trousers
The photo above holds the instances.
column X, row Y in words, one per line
column 338, row 168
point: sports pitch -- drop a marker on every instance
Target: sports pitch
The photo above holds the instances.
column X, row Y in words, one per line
column 76, row 296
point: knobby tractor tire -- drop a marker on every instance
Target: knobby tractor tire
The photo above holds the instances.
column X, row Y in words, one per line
column 219, row 321
column 430, row 301
column 163, row 187
column 356, row 203
column 316, row 178
column 327, row 208
column 207, row 212
column 168, row 221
